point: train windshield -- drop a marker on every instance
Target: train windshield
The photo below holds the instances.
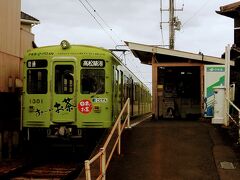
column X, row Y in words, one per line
column 64, row 79
column 37, row 81
column 92, row 81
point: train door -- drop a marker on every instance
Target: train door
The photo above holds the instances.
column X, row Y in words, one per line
column 131, row 95
column 63, row 92
column 121, row 79
column 115, row 92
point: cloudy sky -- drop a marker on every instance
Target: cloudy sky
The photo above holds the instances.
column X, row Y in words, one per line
column 108, row 23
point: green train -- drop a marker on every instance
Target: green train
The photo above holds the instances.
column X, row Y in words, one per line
column 68, row 89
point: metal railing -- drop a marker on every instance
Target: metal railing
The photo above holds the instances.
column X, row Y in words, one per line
column 237, row 123
column 227, row 94
column 102, row 155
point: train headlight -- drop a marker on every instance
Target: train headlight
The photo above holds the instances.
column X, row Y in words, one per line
column 65, row 44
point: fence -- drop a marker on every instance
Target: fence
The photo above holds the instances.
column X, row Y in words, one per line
column 235, row 111
column 102, row 155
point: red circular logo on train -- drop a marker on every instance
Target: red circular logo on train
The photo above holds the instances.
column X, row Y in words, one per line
column 85, row 106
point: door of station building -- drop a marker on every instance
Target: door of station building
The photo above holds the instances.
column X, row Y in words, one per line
column 179, row 92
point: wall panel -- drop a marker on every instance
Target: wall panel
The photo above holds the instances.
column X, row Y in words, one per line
column 9, row 66
column 26, row 42
column 10, row 26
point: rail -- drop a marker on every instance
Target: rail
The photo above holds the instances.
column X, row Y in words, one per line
column 237, row 123
column 102, row 155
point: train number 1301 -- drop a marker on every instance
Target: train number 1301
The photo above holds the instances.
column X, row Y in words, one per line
column 36, row 101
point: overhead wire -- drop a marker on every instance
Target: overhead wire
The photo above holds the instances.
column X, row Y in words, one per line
column 136, row 69
column 95, row 11
column 196, row 13
column 105, row 23
column 110, row 29
column 110, row 36
column 133, row 64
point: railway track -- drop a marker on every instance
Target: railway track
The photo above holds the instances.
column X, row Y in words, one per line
column 7, row 168
column 51, row 171
column 56, row 171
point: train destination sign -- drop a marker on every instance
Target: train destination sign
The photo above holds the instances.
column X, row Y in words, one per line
column 93, row 63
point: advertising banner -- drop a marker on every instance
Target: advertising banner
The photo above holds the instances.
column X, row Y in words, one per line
column 214, row 75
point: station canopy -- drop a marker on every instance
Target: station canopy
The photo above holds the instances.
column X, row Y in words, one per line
column 162, row 55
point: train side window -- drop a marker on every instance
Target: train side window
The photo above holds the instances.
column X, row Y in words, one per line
column 125, row 87
column 37, row 81
column 116, row 76
column 64, row 79
column 92, row 81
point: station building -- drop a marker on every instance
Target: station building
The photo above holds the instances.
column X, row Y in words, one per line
column 15, row 39
column 179, row 81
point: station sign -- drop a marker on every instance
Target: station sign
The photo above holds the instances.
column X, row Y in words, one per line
column 97, row 63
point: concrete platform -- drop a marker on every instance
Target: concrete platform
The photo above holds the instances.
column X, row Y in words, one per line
column 173, row 150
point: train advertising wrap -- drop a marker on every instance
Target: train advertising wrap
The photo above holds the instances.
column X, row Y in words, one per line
column 85, row 106
column 214, row 76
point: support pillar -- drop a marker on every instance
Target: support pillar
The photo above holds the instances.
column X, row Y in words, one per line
column 154, row 89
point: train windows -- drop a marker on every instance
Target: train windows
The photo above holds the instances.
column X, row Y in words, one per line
column 92, row 81
column 64, row 79
column 37, row 81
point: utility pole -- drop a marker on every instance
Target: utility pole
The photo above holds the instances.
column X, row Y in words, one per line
column 171, row 24
column 174, row 22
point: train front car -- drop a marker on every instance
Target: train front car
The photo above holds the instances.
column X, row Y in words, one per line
column 67, row 88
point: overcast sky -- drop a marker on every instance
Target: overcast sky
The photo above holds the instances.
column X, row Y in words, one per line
column 131, row 20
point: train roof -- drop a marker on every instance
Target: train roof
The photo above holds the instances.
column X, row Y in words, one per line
column 73, row 48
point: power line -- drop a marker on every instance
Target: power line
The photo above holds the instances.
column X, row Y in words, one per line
column 196, row 12
column 137, row 69
column 105, row 23
column 95, row 11
column 110, row 29
column 97, row 22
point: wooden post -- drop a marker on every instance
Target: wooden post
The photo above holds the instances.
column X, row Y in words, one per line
column 87, row 170
column 154, row 89
column 103, row 164
column 119, row 137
